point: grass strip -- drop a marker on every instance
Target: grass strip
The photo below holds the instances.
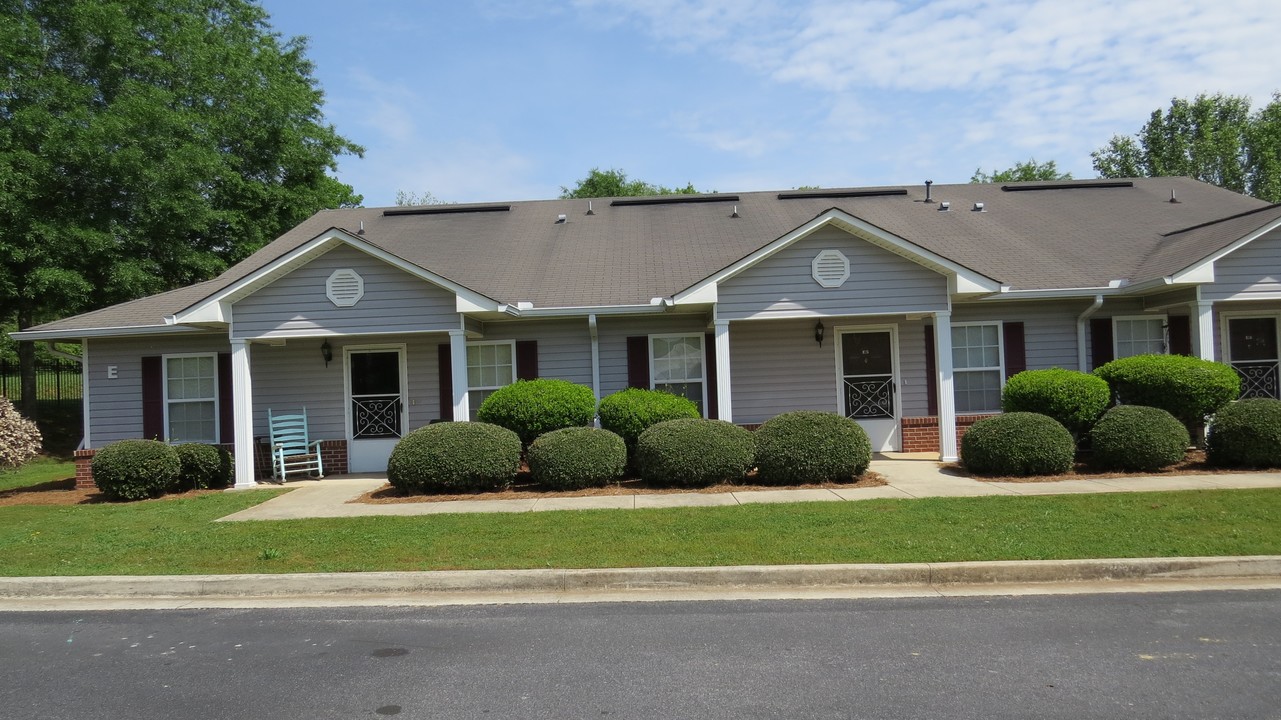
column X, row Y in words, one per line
column 178, row 537
column 39, row 470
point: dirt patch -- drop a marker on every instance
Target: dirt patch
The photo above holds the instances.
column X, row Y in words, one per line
column 65, row 492
column 1193, row 464
column 526, row 489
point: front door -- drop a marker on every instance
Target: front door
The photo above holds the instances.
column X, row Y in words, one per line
column 375, row 406
column 1252, row 352
column 869, row 391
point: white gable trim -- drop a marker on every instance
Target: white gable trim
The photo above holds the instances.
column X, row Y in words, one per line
column 960, row 278
column 216, row 307
column 1202, row 271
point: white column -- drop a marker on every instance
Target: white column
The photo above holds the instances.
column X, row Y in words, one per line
column 946, row 398
column 242, row 414
column 592, row 331
column 458, row 363
column 1203, row 329
column 724, row 403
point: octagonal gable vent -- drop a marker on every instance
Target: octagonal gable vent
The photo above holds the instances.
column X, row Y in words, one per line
column 345, row 287
column 831, row 268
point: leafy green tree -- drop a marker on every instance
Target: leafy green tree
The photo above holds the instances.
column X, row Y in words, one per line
column 614, row 183
column 1213, row 138
column 1022, row 172
column 406, row 199
column 147, row 144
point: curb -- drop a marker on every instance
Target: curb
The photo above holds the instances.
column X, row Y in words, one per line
column 738, row 578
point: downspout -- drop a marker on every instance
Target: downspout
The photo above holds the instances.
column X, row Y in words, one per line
column 1080, row 332
column 591, row 328
column 84, row 382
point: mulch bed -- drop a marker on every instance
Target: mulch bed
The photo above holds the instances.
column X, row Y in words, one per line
column 1193, row 464
column 65, row 492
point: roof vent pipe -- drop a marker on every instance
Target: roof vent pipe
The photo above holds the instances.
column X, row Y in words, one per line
column 561, row 219
column 945, row 206
column 735, row 213
column 928, row 183
column 978, row 207
column 590, row 211
column 1174, row 199
column 361, row 231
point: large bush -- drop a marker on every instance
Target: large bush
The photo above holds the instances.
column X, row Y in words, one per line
column 630, row 412
column 136, row 469
column 1075, row 399
column 1186, row 387
column 203, row 466
column 530, row 408
column 455, row 456
column 809, row 447
column 19, row 437
column 1246, row 434
column 1138, row 438
column 695, row 452
column 574, row 458
column 1018, row 443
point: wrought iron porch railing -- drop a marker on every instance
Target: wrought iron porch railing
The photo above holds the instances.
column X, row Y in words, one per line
column 1258, row 379
column 869, row 397
column 375, row 416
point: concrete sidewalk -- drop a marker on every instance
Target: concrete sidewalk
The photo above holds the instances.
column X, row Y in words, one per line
column 908, row 477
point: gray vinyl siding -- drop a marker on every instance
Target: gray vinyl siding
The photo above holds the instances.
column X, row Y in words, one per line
column 612, row 334
column 1125, row 307
column 776, row 366
column 782, row 285
column 115, row 406
column 564, row 346
column 1049, row 328
column 296, row 304
column 1250, row 271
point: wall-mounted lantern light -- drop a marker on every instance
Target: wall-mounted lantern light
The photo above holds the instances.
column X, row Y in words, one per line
column 818, row 333
column 326, row 352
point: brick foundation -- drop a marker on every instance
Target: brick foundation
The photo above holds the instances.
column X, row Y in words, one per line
column 332, row 452
column 84, row 468
column 921, row 434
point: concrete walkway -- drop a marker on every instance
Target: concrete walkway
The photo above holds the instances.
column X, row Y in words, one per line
column 909, row 476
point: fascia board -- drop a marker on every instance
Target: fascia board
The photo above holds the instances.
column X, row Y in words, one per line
column 74, row 334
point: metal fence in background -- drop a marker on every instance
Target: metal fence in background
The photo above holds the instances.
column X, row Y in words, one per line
column 58, row 381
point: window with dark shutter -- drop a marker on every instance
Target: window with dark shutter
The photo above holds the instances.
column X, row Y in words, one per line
column 1101, row 341
column 526, row 359
column 1015, row 349
column 445, row 370
column 638, row 362
column 153, row 398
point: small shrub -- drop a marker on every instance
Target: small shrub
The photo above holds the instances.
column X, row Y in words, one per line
column 203, row 466
column 630, row 412
column 455, row 456
column 1138, row 438
column 19, row 437
column 1075, row 399
column 809, row 447
column 1186, row 387
column 1017, row 443
column 1246, row 434
column 530, row 408
column 574, row 458
column 695, row 452
column 136, row 469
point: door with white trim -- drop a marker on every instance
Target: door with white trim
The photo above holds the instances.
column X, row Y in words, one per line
column 867, row 363
column 1253, row 353
column 377, row 415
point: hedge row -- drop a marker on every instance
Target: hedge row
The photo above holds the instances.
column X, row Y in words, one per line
column 139, row 469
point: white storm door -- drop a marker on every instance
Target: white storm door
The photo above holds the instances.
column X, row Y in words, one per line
column 868, row 367
column 376, row 407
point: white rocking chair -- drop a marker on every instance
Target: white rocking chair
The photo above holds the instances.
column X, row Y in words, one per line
column 291, row 449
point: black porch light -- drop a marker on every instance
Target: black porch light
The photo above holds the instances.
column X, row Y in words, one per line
column 818, row 333
column 326, row 352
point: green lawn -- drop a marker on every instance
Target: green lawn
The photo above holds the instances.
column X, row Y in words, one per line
column 40, row 470
column 177, row 537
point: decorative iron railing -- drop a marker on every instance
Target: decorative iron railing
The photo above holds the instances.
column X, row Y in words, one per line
column 869, row 397
column 1258, row 379
column 375, row 416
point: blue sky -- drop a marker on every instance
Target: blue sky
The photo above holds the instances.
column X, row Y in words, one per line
column 509, row 99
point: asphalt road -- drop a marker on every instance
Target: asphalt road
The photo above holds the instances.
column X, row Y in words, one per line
column 1175, row 655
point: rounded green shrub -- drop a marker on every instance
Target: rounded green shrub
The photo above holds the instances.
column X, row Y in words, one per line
column 203, row 466
column 1186, row 387
column 19, row 437
column 455, row 456
column 573, row 458
column 1138, row 438
column 1018, row 443
column 136, row 469
column 630, row 412
column 809, row 447
column 1246, row 434
column 695, row 452
column 530, row 408
column 1074, row 398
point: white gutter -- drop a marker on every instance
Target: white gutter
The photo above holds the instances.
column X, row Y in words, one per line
column 1113, row 287
column 589, row 310
column 73, row 334
column 1080, row 332
column 64, row 355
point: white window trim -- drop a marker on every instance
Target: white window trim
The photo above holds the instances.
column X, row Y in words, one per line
column 164, row 380
column 1165, row 331
column 477, row 343
column 1000, row 368
column 1225, row 341
column 702, row 343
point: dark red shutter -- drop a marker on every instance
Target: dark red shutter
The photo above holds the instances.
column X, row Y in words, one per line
column 153, row 398
column 1180, row 329
column 1101, row 341
column 226, row 401
column 1015, row 349
column 931, row 373
column 526, row 359
column 445, row 368
column 709, row 362
column 638, row 362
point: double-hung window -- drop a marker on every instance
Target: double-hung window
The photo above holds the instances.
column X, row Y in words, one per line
column 1141, row 335
column 191, row 398
column 490, row 365
column 977, row 368
column 676, row 366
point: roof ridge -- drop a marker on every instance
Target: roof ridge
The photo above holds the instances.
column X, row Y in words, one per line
column 1222, row 219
